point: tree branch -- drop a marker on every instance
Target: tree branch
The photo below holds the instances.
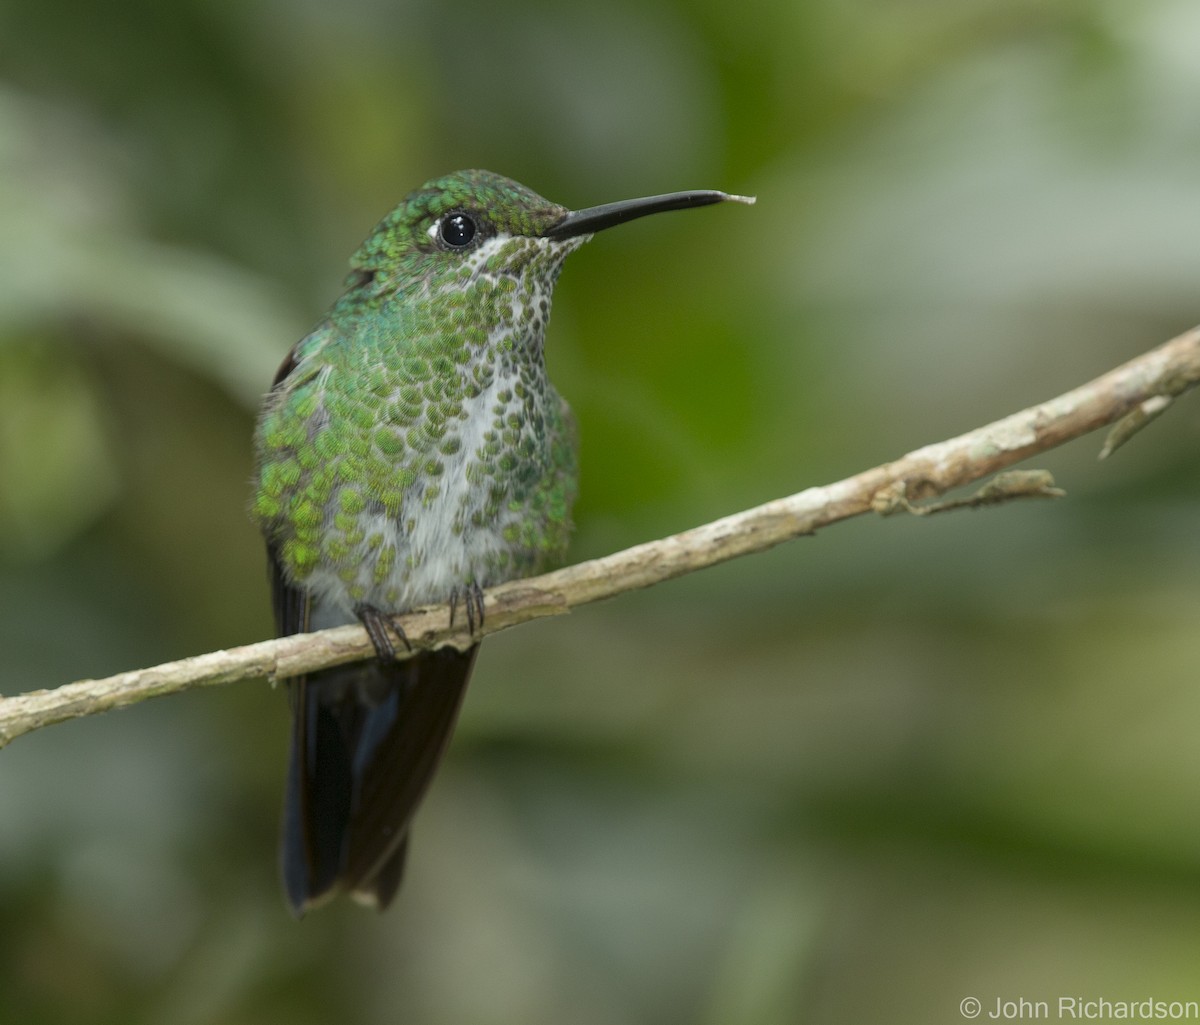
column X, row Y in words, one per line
column 1129, row 397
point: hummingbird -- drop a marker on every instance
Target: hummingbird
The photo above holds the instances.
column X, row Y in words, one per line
column 412, row 451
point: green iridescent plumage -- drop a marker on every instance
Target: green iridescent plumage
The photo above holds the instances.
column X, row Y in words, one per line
column 424, row 393
column 412, row 451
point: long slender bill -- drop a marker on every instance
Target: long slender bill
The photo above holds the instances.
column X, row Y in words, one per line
column 597, row 218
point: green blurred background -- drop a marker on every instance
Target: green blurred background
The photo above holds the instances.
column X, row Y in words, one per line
column 855, row 779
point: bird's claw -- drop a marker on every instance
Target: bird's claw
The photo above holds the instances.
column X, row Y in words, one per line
column 381, row 627
column 471, row 597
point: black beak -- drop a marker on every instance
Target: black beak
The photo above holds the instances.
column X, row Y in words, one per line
column 597, row 218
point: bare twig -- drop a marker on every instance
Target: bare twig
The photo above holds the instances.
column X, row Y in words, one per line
column 1132, row 393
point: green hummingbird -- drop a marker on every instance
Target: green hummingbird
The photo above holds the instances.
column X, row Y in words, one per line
column 412, row 451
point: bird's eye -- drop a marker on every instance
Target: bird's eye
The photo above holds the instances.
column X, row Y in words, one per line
column 457, row 230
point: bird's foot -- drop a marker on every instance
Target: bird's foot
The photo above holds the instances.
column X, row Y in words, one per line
column 380, row 628
column 471, row 597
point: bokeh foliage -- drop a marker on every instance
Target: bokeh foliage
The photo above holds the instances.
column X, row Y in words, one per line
column 856, row 779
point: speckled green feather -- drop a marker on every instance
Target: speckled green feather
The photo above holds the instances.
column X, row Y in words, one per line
column 413, row 444
column 412, row 451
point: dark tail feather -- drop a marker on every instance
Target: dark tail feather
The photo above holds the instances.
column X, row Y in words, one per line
column 366, row 741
